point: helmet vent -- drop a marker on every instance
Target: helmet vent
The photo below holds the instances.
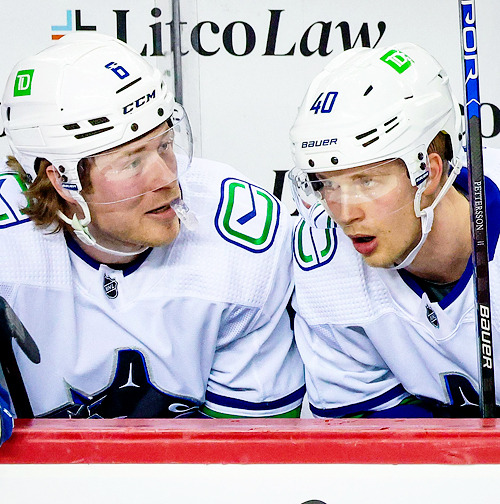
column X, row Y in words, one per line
column 91, row 133
column 392, row 127
column 366, row 144
column 390, row 124
column 366, row 134
column 99, row 120
column 71, row 126
column 368, row 90
column 128, row 85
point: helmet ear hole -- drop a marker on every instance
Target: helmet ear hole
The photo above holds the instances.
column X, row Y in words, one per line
column 448, row 147
column 37, row 164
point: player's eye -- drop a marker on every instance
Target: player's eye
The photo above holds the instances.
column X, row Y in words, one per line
column 133, row 165
column 367, row 182
column 165, row 146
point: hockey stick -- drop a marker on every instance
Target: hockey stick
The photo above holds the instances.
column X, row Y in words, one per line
column 12, row 328
column 487, row 401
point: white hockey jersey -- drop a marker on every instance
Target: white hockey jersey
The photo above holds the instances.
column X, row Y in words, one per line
column 370, row 337
column 200, row 322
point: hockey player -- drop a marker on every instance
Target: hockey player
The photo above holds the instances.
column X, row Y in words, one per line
column 384, row 288
column 154, row 285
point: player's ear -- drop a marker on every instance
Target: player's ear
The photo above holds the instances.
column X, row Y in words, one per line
column 435, row 174
column 55, row 179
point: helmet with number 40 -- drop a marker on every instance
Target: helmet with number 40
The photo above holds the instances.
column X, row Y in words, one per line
column 369, row 106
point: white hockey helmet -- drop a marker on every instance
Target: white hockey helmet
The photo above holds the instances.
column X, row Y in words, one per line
column 85, row 94
column 369, row 106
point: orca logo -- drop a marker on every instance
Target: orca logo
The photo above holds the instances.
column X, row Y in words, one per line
column 247, row 216
column 313, row 247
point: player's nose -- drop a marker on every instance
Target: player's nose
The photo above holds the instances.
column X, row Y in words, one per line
column 162, row 170
column 346, row 210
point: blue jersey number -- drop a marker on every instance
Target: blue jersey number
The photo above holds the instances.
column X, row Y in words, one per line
column 324, row 106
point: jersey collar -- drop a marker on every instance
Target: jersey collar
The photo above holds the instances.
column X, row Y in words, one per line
column 127, row 268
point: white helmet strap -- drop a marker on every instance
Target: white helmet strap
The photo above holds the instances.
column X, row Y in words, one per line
column 82, row 232
column 426, row 219
column 427, row 214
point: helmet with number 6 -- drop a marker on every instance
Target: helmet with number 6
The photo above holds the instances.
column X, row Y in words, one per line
column 85, row 94
column 82, row 97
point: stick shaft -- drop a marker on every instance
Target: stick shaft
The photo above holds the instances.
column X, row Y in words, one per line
column 477, row 206
column 9, row 330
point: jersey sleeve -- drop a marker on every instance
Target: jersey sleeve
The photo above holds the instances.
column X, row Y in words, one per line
column 345, row 375
column 6, row 418
column 257, row 370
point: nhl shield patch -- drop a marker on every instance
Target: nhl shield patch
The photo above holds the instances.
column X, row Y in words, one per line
column 432, row 317
column 247, row 215
column 313, row 248
column 110, row 287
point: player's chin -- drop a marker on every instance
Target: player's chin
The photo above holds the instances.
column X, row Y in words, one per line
column 160, row 234
column 379, row 260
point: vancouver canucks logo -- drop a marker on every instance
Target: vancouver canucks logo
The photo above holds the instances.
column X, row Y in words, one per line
column 313, row 247
column 247, row 215
column 110, row 286
column 10, row 213
column 130, row 393
column 432, row 317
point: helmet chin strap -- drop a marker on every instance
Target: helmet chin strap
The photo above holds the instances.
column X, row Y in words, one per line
column 82, row 232
column 426, row 215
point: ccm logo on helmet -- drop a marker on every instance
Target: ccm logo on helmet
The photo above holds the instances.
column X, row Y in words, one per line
column 318, row 143
column 139, row 102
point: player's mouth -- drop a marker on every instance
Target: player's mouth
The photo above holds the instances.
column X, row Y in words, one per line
column 364, row 244
column 165, row 211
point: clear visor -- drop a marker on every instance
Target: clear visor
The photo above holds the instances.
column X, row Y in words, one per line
column 324, row 197
column 146, row 164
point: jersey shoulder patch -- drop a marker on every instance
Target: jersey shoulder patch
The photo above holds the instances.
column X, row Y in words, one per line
column 12, row 200
column 247, row 215
column 313, row 247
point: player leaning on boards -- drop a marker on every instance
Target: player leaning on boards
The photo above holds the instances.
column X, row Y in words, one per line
column 384, row 287
column 154, row 285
